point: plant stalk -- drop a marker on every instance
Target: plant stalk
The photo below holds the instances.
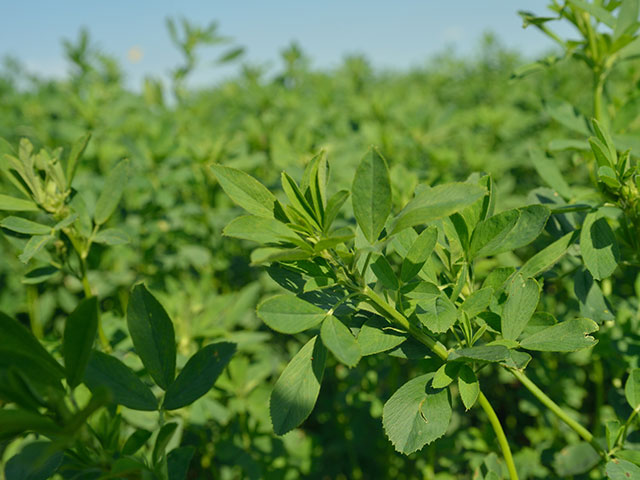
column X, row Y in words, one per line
column 585, row 434
column 437, row 348
column 500, row 436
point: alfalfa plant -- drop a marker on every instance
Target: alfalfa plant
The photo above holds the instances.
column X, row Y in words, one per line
column 384, row 282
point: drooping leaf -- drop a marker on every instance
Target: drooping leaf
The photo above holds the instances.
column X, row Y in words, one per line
column 297, row 389
column 548, row 256
column 418, row 253
column 79, row 334
column 567, row 336
column 468, row 386
column 16, row 421
column 416, row 415
column 337, row 337
column 106, row 371
column 377, row 336
column 508, row 230
column 198, row 375
column 437, row 202
column 153, row 336
column 290, row 314
column 598, row 246
column 246, row 191
column 111, row 192
column 522, row 300
column 371, row 194
column 632, row 388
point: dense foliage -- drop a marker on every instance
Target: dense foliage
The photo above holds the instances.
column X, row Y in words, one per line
column 231, row 282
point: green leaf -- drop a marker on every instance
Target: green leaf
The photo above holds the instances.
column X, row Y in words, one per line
column 39, row 275
column 508, row 230
column 178, row 461
column 618, row 469
column 290, row 314
column 371, row 195
column 77, row 150
column 437, row 202
column 446, row 374
column 246, row 191
column 377, row 336
column 627, row 20
column 27, row 227
column 33, row 246
column 297, row 389
column 258, row 229
column 484, row 353
column 632, row 388
column 567, row 115
column 567, row 336
column 298, row 201
column 20, row 348
column 12, row 204
column 337, row 337
column 198, row 375
column 383, row 272
column 153, row 336
column 112, row 236
column 468, row 386
column 334, row 204
column 162, row 440
column 575, row 459
column 36, row 461
column 522, row 300
column 632, row 456
column 106, row 372
column 592, row 302
column 477, row 302
column 548, row 170
column 438, row 314
column 79, row 334
column 598, row 246
column 136, row 441
column 111, row 192
column 418, row 253
column 15, row 421
column 416, row 415
column 548, row 256
column 600, row 14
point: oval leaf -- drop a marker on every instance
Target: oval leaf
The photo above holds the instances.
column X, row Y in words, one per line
column 416, row 415
column 337, row 337
column 105, row 371
column 79, row 334
column 522, row 300
column 111, row 192
column 290, row 314
column 198, row 375
column 245, row 190
column 371, row 195
column 567, row 336
column 153, row 336
column 632, row 388
column 468, row 386
column 297, row 389
column 598, row 246
column 418, row 253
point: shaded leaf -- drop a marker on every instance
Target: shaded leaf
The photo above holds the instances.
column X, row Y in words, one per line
column 337, row 337
column 290, row 314
column 522, row 300
column 371, row 194
column 567, row 336
column 79, row 334
column 598, row 246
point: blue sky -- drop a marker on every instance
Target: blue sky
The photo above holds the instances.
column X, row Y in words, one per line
column 392, row 34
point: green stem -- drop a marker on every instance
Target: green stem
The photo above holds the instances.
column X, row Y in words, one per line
column 597, row 96
column 437, row 348
column 500, row 436
column 585, row 434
